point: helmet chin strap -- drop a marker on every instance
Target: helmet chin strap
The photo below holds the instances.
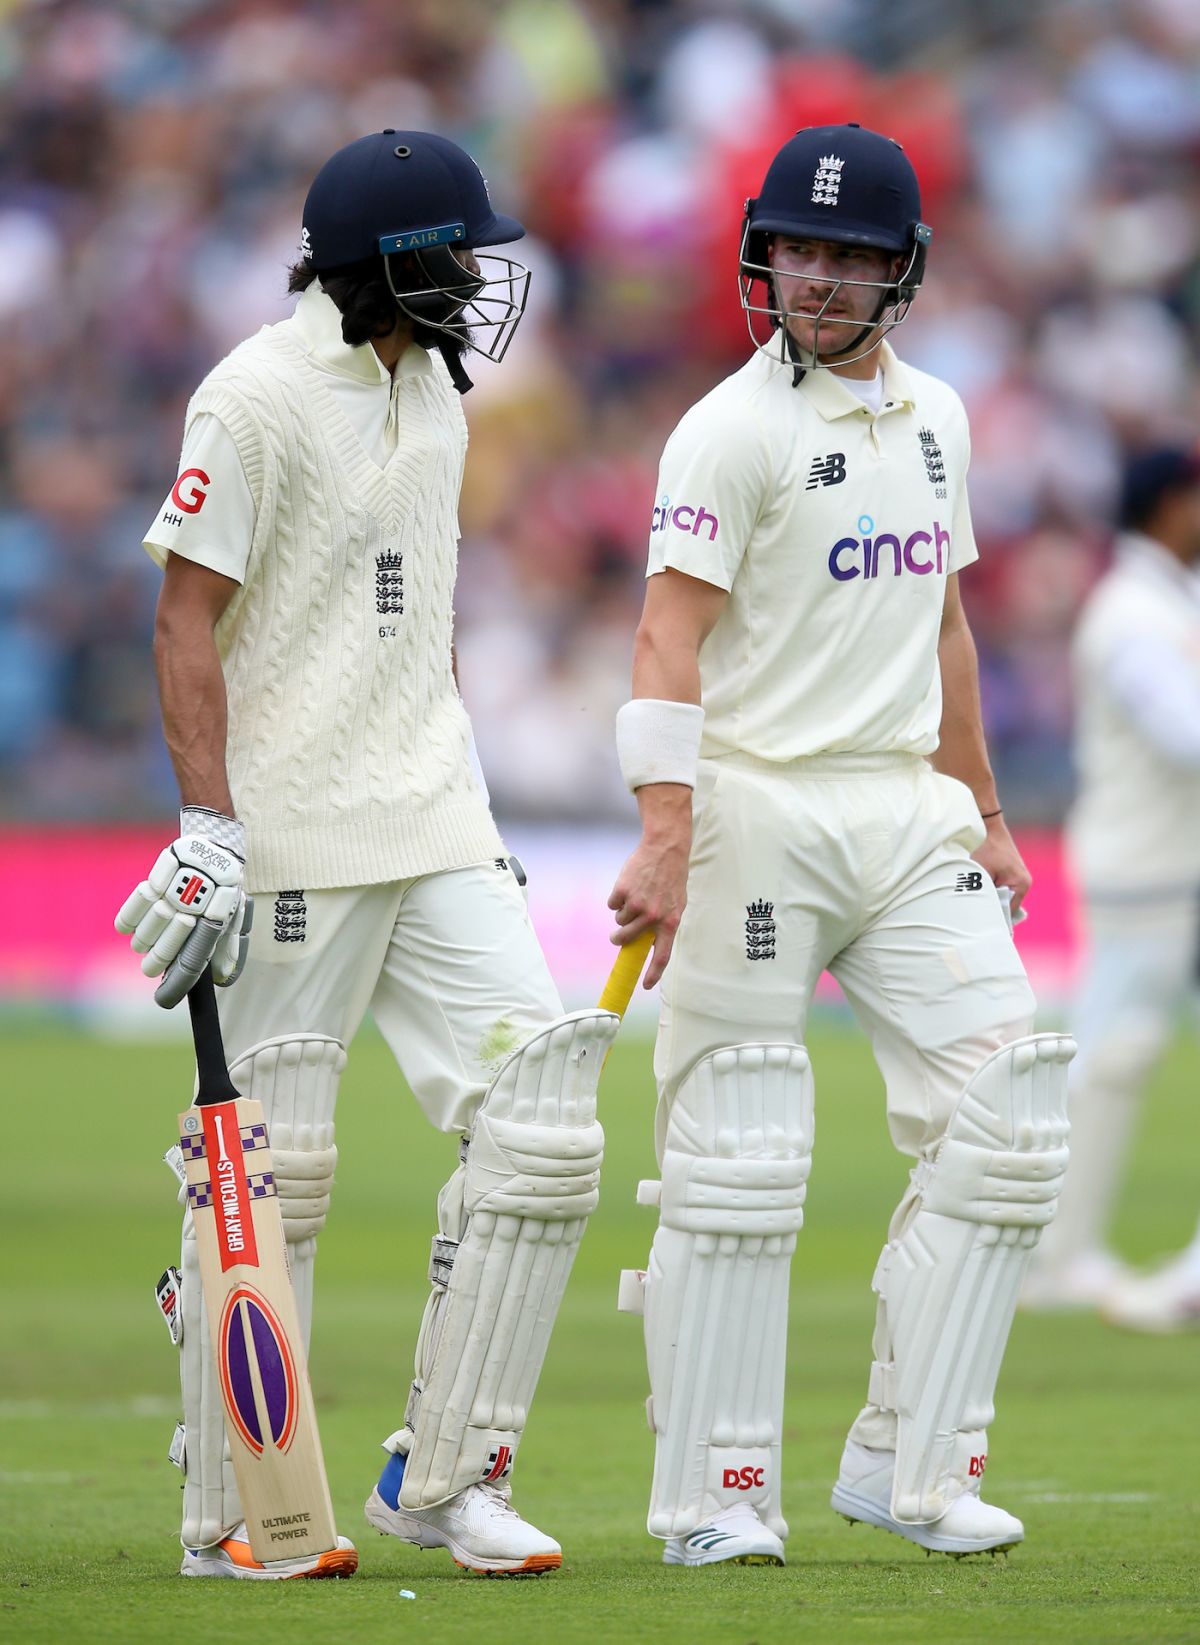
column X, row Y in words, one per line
column 453, row 359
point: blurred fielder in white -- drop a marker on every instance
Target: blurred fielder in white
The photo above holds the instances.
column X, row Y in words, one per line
column 1134, row 837
column 805, row 744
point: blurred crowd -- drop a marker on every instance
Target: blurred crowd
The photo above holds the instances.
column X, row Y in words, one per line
column 153, row 163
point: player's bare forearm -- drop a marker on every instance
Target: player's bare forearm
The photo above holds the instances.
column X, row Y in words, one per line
column 651, row 889
column 666, row 666
column 962, row 749
column 191, row 685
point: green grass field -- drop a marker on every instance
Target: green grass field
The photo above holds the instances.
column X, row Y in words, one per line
column 1095, row 1443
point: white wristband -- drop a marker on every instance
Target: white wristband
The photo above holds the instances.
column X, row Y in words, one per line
column 658, row 741
column 224, row 831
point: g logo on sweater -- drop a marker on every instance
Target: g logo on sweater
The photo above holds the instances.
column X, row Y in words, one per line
column 192, row 500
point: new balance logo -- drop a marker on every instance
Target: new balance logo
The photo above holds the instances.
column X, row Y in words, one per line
column 389, row 585
column 969, row 882
column 760, row 931
column 935, row 467
column 291, row 916
column 827, row 471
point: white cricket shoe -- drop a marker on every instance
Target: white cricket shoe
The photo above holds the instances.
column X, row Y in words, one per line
column 231, row 1557
column 479, row 1526
column 864, row 1493
column 1165, row 1300
column 1080, row 1283
column 736, row 1536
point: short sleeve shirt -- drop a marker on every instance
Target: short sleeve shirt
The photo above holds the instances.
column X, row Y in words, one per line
column 208, row 514
column 834, row 529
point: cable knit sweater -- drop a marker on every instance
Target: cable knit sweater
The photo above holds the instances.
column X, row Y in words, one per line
column 347, row 747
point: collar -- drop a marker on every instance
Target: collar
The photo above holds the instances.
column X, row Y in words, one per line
column 828, row 395
column 1142, row 553
column 318, row 321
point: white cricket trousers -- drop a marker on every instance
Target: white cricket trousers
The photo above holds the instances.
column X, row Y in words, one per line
column 1143, row 971
column 863, row 862
column 859, row 865
column 448, row 964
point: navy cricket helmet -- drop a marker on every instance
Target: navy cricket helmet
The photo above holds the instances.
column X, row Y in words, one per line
column 415, row 198
column 847, row 185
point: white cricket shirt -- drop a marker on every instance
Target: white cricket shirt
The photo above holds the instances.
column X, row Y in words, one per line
column 1135, row 824
column 834, row 528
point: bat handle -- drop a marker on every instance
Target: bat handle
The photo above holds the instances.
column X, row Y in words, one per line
column 215, row 1083
column 623, row 978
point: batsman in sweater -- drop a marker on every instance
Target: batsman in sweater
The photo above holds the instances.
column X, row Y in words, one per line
column 325, row 762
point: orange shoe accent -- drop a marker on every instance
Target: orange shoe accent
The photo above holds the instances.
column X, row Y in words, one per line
column 337, row 1562
column 535, row 1565
column 239, row 1553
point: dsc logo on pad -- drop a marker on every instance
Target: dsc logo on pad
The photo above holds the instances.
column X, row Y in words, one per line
column 683, row 517
column 885, row 555
column 742, row 1479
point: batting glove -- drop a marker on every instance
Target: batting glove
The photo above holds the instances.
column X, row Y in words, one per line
column 193, row 907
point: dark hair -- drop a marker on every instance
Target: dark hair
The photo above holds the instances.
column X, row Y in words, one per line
column 368, row 309
column 361, row 293
column 1150, row 477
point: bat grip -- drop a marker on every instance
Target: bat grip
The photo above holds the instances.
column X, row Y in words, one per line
column 623, row 978
column 215, row 1083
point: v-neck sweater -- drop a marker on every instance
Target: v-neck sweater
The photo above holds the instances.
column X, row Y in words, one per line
column 347, row 747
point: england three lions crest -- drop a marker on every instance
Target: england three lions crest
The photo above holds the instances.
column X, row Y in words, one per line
column 935, row 466
column 760, row 931
column 827, row 180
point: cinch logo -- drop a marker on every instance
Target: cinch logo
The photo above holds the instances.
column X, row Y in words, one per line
column 683, row 518
column 191, row 501
column 978, row 1464
column 919, row 553
column 741, row 1479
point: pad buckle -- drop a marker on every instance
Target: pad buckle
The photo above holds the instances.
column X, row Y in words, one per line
column 441, row 1260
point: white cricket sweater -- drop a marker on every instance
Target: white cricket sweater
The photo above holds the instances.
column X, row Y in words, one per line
column 1135, row 824
column 348, row 742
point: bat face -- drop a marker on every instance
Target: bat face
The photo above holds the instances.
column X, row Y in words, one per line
column 253, row 1354
column 255, row 1331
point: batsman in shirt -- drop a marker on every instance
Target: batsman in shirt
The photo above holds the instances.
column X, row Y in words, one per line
column 324, row 755
column 805, row 744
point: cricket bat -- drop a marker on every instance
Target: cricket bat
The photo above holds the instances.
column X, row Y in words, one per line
column 252, row 1319
column 623, row 978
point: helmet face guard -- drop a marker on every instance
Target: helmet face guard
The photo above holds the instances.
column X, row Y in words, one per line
column 476, row 311
column 848, row 339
